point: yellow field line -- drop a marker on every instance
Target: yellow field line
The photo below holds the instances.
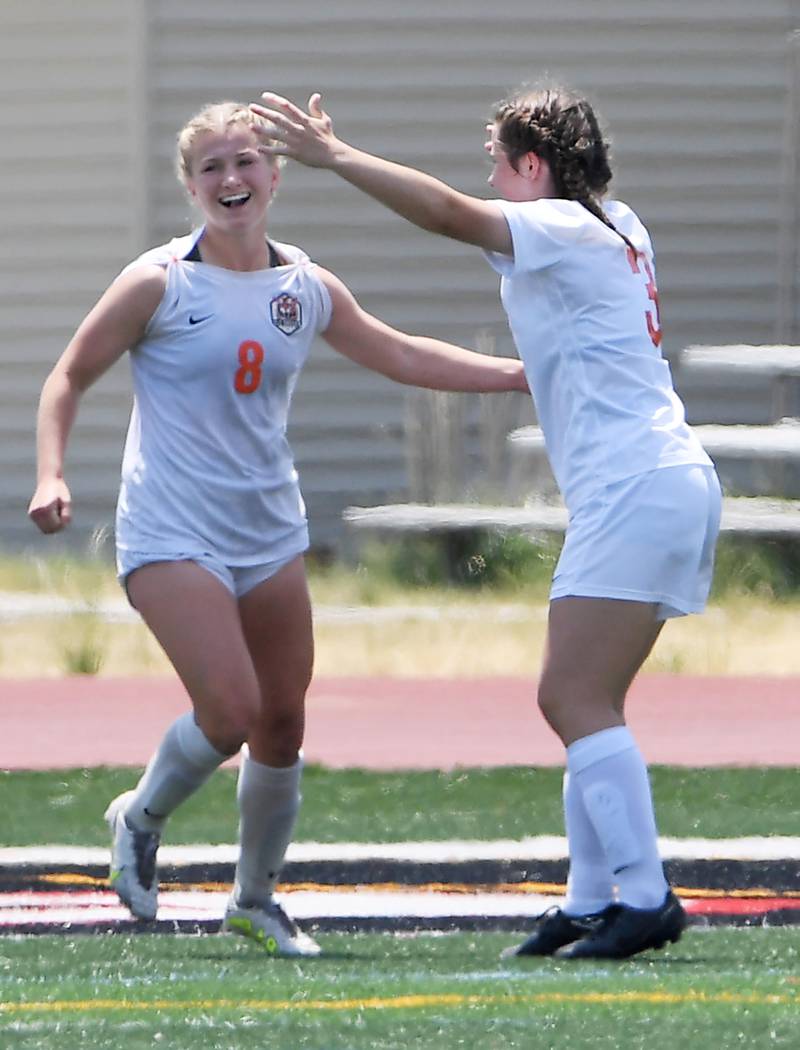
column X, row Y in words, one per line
column 409, row 1002
column 547, row 888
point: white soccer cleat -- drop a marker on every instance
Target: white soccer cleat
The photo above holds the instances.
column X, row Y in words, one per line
column 270, row 928
column 132, row 875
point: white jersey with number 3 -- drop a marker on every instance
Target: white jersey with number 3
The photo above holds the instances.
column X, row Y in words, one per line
column 583, row 310
column 207, row 465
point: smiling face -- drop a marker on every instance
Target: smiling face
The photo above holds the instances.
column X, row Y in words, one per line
column 229, row 178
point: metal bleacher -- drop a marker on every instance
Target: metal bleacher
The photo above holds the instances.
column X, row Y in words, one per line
column 744, row 404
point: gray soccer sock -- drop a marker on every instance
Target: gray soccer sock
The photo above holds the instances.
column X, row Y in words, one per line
column 612, row 777
column 183, row 762
column 590, row 886
column 269, row 801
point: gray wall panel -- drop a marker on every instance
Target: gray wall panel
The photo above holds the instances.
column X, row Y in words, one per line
column 68, row 186
column 694, row 94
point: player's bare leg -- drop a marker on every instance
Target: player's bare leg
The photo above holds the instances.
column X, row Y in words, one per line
column 595, row 648
column 276, row 618
column 277, row 627
column 196, row 620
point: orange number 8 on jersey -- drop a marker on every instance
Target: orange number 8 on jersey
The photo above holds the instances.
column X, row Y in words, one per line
column 248, row 374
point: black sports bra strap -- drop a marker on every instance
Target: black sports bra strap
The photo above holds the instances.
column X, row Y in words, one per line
column 194, row 255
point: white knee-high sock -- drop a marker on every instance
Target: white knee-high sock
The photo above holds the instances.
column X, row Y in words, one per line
column 183, row 762
column 612, row 777
column 269, row 801
column 590, row 885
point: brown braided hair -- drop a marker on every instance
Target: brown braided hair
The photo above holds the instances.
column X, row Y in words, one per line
column 563, row 130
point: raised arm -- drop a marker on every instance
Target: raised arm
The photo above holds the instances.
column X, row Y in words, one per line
column 115, row 324
column 411, row 359
column 433, row 205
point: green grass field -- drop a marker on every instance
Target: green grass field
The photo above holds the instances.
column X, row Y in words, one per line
column 718, row 988
column 66, row 807
column 724, row 988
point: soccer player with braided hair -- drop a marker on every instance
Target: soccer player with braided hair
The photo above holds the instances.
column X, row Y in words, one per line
column 577, row 283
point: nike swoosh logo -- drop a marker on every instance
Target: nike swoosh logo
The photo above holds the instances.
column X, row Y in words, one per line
column 199, row 320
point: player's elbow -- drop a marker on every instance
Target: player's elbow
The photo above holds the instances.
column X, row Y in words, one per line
column 441, row 212
column 450, row 219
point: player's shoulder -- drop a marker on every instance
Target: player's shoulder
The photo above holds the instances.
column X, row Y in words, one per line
column 554, row 216
column 304, row 272
column 291, row 255
column 161, row 256
column 626, row 220
column 619, row 211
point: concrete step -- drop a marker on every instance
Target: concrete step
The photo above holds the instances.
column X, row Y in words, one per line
column 750, row 460
column 767, row 518
column 738, row 384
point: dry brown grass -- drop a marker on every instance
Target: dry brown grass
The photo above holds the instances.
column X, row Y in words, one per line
column 476, row 632
column 742, row 637
column 49, row 648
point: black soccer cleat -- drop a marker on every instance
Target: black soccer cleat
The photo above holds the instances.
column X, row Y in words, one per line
column 626, row 931
column 553, row 929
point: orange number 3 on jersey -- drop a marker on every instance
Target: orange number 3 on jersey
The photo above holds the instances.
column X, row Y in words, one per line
column 653, row 324
column 248, row 375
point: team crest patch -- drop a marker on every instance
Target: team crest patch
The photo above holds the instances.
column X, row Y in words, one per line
column 286, row 313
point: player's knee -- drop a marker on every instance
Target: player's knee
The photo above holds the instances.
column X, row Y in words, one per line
column 559, row 700
column 285, row 727
column 549, row 697
column 229, row 724
column 282, row 728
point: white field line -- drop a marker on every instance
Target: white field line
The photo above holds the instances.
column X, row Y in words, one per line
column 54, row 908
column 543, row 847
column 15, row 607
column 303, row 904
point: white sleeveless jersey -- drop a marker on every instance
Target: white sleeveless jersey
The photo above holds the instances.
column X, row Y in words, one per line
column 207, row 466
column 583, row 310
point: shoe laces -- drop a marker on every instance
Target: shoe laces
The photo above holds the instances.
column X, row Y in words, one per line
column 590, row 923
column 145, row 847
column 553, row 912
column 276, row 912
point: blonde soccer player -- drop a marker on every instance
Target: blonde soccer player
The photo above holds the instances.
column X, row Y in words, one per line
column 211, row 527
column 577, row 281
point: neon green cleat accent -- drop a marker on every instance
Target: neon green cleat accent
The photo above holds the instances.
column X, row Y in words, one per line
column 247, row 928
column 271, row 929
column 132, row 872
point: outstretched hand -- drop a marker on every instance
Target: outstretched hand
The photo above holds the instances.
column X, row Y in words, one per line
column 306, row 137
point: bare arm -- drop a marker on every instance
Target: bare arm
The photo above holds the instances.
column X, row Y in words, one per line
column 433, row 205
column 410, row 359
column 116, row 323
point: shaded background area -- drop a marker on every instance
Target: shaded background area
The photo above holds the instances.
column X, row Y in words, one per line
column 702, row 105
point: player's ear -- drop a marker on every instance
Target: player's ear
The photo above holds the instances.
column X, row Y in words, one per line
column 276, row 177
column 529, row 166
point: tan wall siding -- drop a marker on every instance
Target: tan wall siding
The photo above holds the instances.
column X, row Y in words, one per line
column 694, row 95
column 70, row 201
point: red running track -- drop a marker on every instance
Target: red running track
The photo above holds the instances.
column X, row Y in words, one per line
column 380, row 723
